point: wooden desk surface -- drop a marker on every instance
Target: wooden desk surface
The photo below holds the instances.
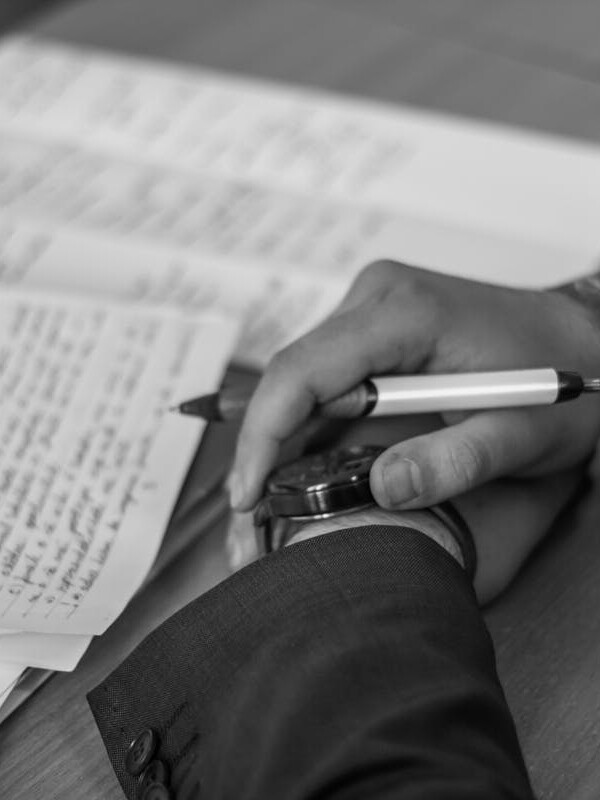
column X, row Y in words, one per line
column 533, row 64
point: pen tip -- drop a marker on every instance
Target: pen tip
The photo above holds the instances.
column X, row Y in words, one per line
column 206, row 407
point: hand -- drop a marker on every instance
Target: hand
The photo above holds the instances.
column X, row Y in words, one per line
column 399, row 319
column 507, row 517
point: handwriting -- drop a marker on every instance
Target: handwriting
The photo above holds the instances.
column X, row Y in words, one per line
column 200, row 119
column 81, row 430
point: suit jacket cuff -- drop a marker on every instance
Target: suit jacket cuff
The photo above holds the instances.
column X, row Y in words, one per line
column 216, row 678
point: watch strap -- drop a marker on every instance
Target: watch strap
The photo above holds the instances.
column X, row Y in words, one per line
column 274, row 531
column 447, row 513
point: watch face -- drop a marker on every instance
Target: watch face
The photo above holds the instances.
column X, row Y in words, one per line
column 345, row 465
column 319, row 485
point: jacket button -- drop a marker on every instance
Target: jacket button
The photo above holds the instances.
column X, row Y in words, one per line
column 156, row 772
column 156, row 791
column 140, row 751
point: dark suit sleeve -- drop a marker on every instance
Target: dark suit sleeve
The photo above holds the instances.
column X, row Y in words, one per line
column 351, row 665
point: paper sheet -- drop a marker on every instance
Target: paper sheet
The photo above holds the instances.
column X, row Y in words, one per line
column 90, row 463
column 258, row 228
column 431, row 166
column 253, row 224
column 237, row 128
column 9, row 675
column 43, row 651
column 272, row 310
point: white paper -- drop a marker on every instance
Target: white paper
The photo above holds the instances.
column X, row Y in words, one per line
column 253, row 224
column 43, row 650
column 90, row 462
column 259, row 233
column 9, row 675
column 234, row 127
column 493, row 179
column 271, row 309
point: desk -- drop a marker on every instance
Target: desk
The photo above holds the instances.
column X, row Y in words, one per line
column 505, row 63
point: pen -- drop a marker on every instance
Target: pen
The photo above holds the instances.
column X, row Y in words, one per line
column 390, row 395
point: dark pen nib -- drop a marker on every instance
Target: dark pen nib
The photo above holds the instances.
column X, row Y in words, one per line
column 206, row 407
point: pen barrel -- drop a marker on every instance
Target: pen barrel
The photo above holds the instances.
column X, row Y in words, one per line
column 421, row 394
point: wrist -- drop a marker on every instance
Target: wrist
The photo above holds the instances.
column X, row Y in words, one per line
column 423, row 521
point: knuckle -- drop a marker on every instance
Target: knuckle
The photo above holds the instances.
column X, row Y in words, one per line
column 279, row 360
column 287, row 359
column 280, row 371
column 412, row 288
column 290, row 367
column 378, row 274
column 395, row 286
column 469, row 462
column 278, row 365
column 393, row 283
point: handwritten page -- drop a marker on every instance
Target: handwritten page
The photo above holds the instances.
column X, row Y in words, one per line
column 257, row 228
column 211, row 214
column 90, row 464
column 235, row 127
column 531, row 186
column 271, row 309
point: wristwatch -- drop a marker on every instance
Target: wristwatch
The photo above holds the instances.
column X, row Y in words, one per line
column 327, row 484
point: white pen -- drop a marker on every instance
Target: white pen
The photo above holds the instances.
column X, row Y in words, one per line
column 391, row 395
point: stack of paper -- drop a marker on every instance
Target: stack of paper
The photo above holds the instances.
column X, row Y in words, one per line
column 300, row 184
column 91, row 462
column 9, row 675
column 161, row 186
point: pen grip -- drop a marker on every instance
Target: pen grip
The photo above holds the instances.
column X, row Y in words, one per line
column 357, row 402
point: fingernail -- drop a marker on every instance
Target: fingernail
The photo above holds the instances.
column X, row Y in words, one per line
column 402, row 480
column 236, row 489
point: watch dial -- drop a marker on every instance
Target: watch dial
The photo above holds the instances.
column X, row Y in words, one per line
column 345, row 465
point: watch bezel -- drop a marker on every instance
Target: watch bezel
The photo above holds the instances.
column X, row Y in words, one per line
column 321, row 498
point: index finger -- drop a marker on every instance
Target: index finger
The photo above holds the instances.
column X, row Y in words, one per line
column 318, row 367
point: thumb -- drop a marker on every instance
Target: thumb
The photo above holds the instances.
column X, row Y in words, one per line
column 428, row 469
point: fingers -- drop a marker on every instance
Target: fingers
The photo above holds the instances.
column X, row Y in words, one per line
column 241, row 545
column 379, row 335
column 508, row 518
column 398, row 319
column 428, row 469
